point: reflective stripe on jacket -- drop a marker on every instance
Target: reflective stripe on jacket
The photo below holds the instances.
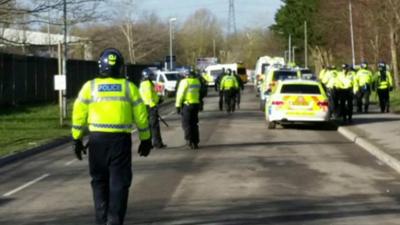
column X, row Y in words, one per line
column 188, row 92
column 384, row 83
column 229, row 82
column 109, row 105
column 148, row 94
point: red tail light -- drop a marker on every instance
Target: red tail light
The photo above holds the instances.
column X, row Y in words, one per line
column 277, row 103
column 323, row 103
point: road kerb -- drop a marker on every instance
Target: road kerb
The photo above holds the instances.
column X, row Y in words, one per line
column 371, row 148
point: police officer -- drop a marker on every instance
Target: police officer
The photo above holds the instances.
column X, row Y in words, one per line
column 229, row 86
column 241, row 87
column 151, row 100
column 364, row 81
column 109, row 105
column 384, row 84
column 218, row 89
column 188, row 99
column 346, row 92
column 330, row 81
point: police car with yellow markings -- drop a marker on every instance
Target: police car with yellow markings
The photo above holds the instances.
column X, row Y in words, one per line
column 297, row 101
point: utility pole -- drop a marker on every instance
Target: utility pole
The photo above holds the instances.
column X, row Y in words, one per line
column 65, row 59
column 353, row 57
column 214, row 48
column 170, row 42
column 290, row 49
column 305, row 45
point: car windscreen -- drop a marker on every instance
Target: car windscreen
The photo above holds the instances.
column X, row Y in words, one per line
column 308, row 75
column 300, row 89
column 285, row 75
column 264, row 67
column 241, row 71
column 216, row 73
column 172, row 76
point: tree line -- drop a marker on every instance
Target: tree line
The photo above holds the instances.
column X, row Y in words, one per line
column 376, row 24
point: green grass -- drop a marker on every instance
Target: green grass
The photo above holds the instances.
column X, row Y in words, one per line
column 29, row 126
column 395, row 101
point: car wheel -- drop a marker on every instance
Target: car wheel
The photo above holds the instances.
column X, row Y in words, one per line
column 271, row 125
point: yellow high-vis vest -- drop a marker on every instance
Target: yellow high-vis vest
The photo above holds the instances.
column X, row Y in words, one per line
column 188, row 92
column 149, row 95
column 110, row 105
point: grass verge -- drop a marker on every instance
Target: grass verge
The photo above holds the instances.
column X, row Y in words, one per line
column 395, row 101
column 28, row 126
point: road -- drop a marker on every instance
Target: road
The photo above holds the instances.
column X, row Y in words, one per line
column 242, row 174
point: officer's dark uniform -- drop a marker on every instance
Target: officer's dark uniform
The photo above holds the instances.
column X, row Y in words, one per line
column 241, row 87
column 347, row 90
column 218, row 89
column 230, row 86
column 109, row 106
column 384, row 84
column 151, row 100
column 188, row 99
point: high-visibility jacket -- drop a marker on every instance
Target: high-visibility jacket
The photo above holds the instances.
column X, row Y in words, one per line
column 346, row 80
column 229, row 82
column 383, row 83
column 188, row 92
column 148, row 93
column 364, row 77
column 322, row 74
column 330, row 79
column 110, row 105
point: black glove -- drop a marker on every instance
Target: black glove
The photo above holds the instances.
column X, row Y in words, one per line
column 79, row 149
column 145, row 147
column 178, row 110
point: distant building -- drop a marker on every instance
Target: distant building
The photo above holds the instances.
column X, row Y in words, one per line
column 43, row 44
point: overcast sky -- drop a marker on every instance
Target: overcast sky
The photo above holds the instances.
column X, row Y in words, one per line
column 249, row 13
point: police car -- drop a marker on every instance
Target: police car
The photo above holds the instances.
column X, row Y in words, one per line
column 297, row 101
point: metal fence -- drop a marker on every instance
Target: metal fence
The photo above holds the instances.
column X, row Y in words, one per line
column 28, row 79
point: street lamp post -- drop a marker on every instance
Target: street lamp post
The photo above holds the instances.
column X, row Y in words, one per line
column 352, row 33
column 290, row 49
column 294, row 54
column 171, row 20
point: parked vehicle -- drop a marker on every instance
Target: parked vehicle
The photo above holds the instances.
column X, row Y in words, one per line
column 165, row 82
column 213, row 71
column 271, row 80
column 297, row 101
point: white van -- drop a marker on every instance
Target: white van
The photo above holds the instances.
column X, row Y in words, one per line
column 165, row 82
column 213, row 71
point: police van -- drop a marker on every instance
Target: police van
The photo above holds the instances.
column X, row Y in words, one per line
column 213, row 71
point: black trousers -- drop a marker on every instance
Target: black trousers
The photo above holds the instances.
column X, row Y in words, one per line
column 110, row 167
column 221, row 100
column 384, row 100
column 238, row 97
column 230, row 100
column 190, row 120
column 336, row 96
column 363, row 99
column 346, row 104
column 155, row 127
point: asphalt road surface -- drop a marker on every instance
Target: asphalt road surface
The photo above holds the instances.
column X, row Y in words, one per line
column 242, row 174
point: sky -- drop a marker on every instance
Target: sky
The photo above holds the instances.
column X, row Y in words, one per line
column 248, row 13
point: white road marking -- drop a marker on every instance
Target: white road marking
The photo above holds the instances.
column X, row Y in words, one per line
column 71, row 162
column 26, row 185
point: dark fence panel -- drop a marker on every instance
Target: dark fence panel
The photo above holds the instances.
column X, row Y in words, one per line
column 27, row 79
